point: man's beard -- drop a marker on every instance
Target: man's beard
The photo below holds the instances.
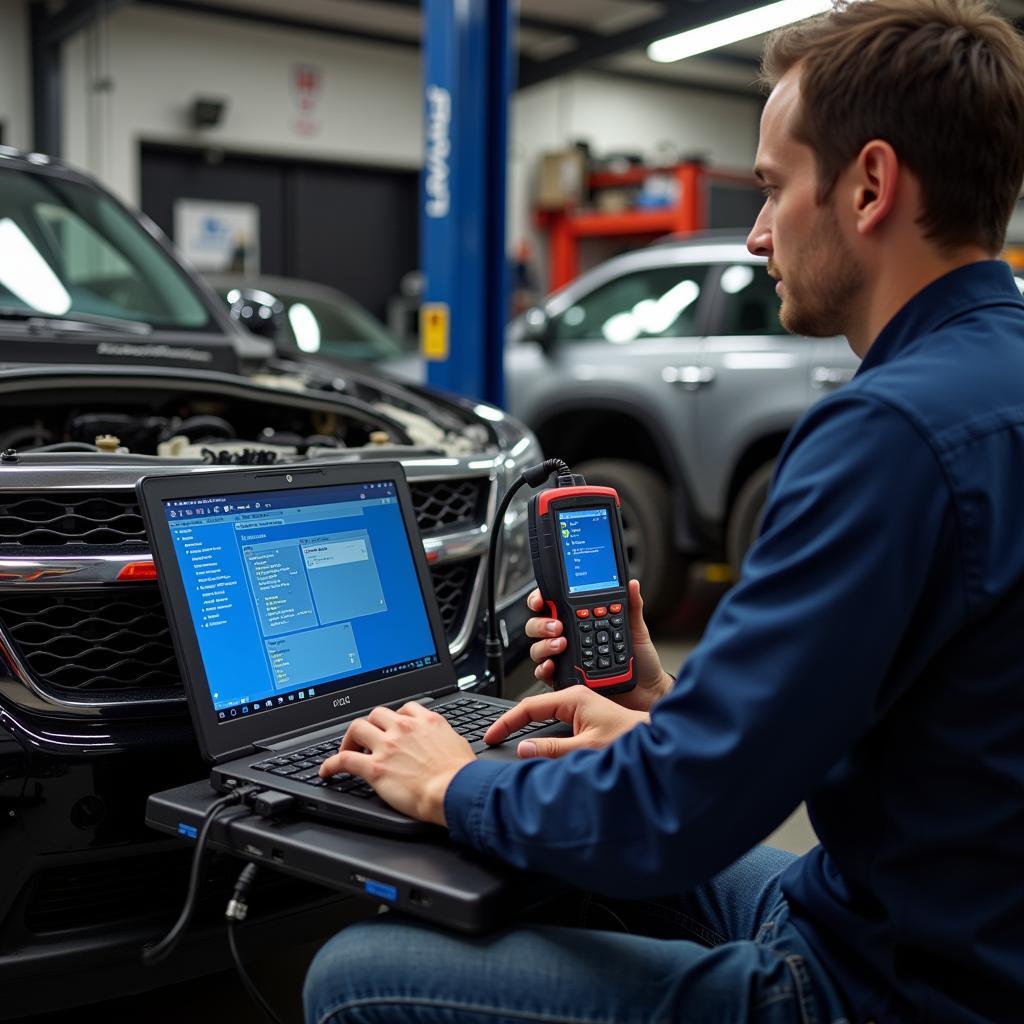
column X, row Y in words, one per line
column 830, row 283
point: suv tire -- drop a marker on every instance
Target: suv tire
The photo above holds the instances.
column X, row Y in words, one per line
column 746, row 515
column 647, row 530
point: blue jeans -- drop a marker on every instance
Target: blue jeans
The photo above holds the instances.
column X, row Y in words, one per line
column 723, row 954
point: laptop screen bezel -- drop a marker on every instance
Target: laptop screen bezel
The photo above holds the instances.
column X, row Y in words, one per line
column 221, row 741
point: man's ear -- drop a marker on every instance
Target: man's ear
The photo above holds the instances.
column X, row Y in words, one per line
column 876, row 173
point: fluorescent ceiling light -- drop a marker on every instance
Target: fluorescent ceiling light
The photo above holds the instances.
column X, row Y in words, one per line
column 732, row 30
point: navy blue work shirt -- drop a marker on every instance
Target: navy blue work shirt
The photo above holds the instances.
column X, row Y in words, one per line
column 871, row 661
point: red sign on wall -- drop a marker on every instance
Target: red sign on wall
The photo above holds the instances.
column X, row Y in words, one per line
column 306, row 82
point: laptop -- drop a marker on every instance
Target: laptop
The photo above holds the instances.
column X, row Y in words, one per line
column 298, row 599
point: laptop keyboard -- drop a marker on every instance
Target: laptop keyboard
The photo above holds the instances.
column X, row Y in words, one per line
column 469, row 718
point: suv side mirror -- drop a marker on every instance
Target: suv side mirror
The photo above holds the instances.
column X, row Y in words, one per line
column 257, row 311
column 538, row 327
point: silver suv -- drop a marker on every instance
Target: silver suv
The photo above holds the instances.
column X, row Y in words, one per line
column 665, row 373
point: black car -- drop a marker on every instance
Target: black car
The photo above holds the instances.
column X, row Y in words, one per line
column 115, row 362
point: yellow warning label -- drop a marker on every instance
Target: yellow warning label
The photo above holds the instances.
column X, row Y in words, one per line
column 434, row 342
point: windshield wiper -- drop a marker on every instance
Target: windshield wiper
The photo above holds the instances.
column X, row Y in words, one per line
column 80, row 322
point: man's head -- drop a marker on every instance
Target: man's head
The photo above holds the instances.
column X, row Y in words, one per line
column 885, row 115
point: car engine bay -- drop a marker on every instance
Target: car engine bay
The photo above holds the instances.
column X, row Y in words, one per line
column 225, row 421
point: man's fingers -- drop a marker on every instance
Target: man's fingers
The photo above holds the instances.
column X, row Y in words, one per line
column 414, row 709
column 382, row 717
column 362, row 734
column 544, row 649
column 549, row 746
column 543, row 627
column 533, row 709
column 545, row 672
column 350, row 761
column 637, row 626
column 534, row 601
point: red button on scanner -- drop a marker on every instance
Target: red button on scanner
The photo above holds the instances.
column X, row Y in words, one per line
column 582, row 613
column 615, row 608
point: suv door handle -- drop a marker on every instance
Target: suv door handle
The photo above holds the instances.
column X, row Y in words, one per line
column 689, row 378
column 831, row 376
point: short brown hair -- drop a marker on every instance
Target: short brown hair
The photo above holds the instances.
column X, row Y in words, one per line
column 942, row 81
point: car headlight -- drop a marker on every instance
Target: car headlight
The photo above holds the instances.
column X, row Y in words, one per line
column 515, row 566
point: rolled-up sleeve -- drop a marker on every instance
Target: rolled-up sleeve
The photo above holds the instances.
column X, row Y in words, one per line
column 790, row 672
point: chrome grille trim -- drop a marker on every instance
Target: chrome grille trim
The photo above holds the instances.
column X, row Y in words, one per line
column 69, row 571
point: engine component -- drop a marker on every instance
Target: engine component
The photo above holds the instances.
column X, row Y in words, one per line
column 140, row 433
column 268, row 435
column 25, row 438
column 107, row 443
column 204, row 428
column 245, row 457
column 322, row 441
column 225, row 452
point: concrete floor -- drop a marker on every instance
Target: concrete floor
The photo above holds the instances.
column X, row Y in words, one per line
column 220, row 999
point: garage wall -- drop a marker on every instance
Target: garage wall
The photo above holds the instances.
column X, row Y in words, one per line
column 134, row 79
column 157, row 61
column 15, row 106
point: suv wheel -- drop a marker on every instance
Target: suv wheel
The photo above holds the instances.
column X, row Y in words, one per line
column 647, row 530
column 746, row 515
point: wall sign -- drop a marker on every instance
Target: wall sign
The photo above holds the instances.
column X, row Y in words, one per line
column 306, row 91
column 218, row 236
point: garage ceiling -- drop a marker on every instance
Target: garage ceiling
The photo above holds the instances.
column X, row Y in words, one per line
column 553, row 38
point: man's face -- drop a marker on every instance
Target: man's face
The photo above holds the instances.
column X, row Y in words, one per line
column 819, row 279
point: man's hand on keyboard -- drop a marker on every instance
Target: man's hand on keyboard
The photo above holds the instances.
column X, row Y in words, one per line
column 595, row 721
column 409, row 756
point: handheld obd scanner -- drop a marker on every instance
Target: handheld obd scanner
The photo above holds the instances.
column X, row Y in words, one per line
column 579, row 561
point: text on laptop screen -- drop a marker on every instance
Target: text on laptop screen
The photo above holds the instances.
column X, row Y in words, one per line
column 300, row 593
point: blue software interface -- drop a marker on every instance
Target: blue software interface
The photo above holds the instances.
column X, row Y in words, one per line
column 297, row 594
column 588, row 551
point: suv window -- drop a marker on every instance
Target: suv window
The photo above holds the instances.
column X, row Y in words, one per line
column 750, row 305
column 66, row 248
column 660, row 302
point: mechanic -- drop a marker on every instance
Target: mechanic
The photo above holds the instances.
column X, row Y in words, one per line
column 871, row 661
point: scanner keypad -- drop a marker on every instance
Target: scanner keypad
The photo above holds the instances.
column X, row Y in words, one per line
column 602, row 638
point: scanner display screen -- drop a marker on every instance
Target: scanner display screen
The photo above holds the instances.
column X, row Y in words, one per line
column 588, row 551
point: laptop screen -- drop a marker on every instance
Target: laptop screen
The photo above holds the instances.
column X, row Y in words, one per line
column 300, row 593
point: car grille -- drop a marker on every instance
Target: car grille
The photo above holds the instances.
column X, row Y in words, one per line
column 450, row 504
column 93, row 640
column 116, row 641
column 69, row 518
column 72, row 518
column 453, row 584
column 87, row 641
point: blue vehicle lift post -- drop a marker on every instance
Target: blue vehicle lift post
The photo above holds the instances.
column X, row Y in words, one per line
column 468, row 79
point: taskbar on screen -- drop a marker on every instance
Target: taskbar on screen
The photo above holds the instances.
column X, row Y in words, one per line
column 269, row 702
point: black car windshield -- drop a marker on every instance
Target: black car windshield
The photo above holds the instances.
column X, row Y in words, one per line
column 67, row 248
column 330, row 323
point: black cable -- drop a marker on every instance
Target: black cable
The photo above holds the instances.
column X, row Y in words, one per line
column 534, row 476
column 237, row 909
column 154, row 954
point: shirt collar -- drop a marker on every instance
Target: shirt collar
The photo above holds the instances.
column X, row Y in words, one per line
column 986, row 283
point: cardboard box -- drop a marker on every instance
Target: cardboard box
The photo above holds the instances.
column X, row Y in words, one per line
column 561, row 179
